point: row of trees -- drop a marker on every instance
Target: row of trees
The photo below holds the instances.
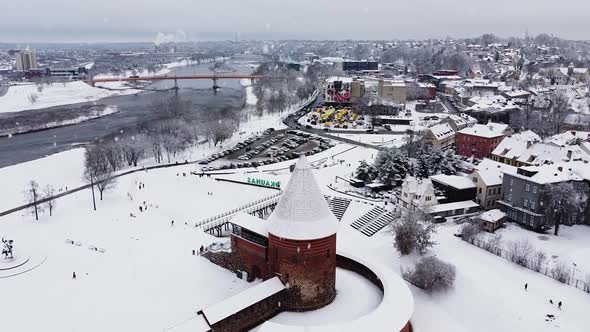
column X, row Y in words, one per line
column 283, row 86
column 34, row 194
column 520, row 252
column 392, row 165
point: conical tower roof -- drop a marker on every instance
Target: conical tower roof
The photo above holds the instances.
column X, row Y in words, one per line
column 302, row 212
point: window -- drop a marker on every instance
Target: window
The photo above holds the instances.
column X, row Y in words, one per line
column 511, row 182
column 428, row 198
column 488, row 203
column 532, row 220
column 534, row 189
column 474, row 179
column 532, row 205
column 509, row 197
column 527, row 187
column 525, row 203
column 480, row 190
column 524, row 215
column 489, row 191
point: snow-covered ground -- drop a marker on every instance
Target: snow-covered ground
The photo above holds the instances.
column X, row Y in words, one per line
column 571, row 246
column 356, row 296
column 20, row 97
column 91, row 115
column 147, row 280
column 251, row 98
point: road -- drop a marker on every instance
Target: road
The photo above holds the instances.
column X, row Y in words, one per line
column 447, row 103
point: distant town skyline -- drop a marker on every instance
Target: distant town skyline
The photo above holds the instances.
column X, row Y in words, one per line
column 136, row 20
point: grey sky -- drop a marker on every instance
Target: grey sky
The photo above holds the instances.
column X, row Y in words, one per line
column 141, row 20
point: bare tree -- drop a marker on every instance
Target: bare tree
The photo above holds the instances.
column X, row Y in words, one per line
column 432, row 275
column 97, row 171
column 520, row 251
column 470, row 232
column 33, row 98
column 559, row 106
column 538, row 259
column 48, row 193
column 33, row 195
column 493, row 244
column 560, row 272
column 563, row 203
column 413, row 231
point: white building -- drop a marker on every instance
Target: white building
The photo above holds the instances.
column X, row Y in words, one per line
column 416, row 194
column 26, row 60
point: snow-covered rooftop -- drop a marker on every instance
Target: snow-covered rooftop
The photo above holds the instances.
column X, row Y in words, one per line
column 442, row 131
column 250, row 222
column 489, row 130
column 560, row 172
column 416, row 186
column 302, row 213
column 452, row 206
column 491, row 171
column 516, row 145
column 542, row 153
column 242, row 300
column 568, row 138
column 492, row 215
column 455, row 181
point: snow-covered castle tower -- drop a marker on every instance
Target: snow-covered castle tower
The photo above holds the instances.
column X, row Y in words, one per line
column 302, row 242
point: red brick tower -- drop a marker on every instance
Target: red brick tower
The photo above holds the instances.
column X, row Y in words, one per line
column 302, row 242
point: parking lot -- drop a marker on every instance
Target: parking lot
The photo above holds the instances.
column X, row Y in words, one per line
column 268, row 148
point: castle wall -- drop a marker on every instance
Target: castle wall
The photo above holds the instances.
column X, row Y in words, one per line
column 253, row 257
column 307, row 268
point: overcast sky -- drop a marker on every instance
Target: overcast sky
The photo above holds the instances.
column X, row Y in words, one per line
column 142, row 20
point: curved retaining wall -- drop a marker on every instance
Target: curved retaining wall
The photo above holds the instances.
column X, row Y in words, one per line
column 393, row 313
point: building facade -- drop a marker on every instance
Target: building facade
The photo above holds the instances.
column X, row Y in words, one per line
column 440, row 136
column 26, row 60
column 480, row 140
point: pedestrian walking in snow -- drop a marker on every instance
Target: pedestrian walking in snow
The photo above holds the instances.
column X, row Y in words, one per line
column 172, row 223
column 193, row 252
column 551, row 301
column 559, row 305
column 526, row 286
column 140, row 209
column 74, row 275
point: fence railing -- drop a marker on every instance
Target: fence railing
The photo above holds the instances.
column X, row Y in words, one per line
column 542, row 268
column 225, row 217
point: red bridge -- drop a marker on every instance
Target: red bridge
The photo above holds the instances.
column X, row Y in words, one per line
column 162, row 78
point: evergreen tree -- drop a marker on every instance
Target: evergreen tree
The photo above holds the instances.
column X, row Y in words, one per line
column 366, row 172
column 392, row 166
column 422, row 164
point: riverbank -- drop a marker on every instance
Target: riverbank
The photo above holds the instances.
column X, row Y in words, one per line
column 24, row 122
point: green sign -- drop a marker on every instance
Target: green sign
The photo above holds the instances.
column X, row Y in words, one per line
column 264, row 183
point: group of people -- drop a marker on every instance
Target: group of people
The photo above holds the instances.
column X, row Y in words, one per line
column 559, row 304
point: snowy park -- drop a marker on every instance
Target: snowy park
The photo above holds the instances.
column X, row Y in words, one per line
column 135, row 270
